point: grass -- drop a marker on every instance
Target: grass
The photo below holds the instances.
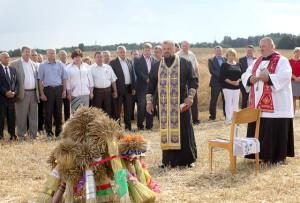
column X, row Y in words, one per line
column 23, row 167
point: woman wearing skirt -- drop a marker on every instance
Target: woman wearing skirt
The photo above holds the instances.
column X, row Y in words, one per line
column 80, row 82
column 295, row 64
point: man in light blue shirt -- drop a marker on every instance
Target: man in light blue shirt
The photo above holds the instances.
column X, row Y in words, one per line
column 52, row 84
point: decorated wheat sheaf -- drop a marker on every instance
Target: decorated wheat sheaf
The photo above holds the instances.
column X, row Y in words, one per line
column 132, row 143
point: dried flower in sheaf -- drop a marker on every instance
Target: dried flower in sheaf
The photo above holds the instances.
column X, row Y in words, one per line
column 132, row 143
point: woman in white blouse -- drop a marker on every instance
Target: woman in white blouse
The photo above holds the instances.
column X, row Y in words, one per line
column 80, row 81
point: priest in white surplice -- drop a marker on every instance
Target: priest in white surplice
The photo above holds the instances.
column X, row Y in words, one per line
column 268, row 80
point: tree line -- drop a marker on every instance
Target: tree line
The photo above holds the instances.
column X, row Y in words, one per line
column 281, row 40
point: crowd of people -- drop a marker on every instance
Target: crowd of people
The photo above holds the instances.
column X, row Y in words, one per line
column 37, row 91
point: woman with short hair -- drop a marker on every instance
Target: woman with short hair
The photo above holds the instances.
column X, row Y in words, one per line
column 80, row 81
column 295, row 64
column 230, row 77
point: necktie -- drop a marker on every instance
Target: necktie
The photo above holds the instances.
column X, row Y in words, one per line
column 6, row 73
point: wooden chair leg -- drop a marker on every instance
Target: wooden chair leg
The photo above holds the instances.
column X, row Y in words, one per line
column 257, row 161
column 232, row 167
column 210, row 158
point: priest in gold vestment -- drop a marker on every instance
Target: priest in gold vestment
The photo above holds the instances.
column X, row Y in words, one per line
column 171, row 76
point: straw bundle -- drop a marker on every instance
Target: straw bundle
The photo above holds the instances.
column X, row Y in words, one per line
column 104, row 191
column 50, row 187
column 139, row 172
column 138, row 191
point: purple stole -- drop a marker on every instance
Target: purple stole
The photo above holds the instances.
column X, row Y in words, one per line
column 169, row 104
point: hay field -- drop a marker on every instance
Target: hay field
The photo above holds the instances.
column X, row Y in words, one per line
column 23, row 167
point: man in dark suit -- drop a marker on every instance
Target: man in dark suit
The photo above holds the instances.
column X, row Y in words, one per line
column 214, row 65
column 125, row 86
column 245, row 62
column 9, row 88
column 142, row 65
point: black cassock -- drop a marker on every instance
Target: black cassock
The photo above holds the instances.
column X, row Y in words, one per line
column 188, row 152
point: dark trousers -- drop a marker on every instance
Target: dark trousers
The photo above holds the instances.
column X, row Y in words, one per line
column 102, row 99
column 215, row 92
column 41, row 118
column 245, row 96
column 142, row 113
column 134, row 101
column 7, row 110
column 67, row 108
column 53, row 104
column 124, row 99
column 194, row 108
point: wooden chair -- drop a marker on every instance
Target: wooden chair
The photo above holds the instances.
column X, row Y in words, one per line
column 244, row 116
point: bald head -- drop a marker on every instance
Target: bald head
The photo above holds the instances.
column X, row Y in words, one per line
column 51, row 54
column 62, row 54
column 185, row 46
column 4, row 58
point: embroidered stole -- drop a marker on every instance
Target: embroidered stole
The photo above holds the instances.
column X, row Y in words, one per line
column 266, row 101
column 169, row 104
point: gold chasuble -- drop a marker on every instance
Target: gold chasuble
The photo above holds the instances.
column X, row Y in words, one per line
column 169, row 104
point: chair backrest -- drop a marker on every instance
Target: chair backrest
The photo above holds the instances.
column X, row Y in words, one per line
column 247, row 115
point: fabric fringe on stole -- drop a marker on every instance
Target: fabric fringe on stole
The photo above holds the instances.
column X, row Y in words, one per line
column 169, row 104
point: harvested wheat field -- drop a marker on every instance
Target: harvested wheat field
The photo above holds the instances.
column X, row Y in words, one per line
column 24, row 168
column 24, row 171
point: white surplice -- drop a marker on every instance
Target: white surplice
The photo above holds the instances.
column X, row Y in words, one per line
column 281, row 88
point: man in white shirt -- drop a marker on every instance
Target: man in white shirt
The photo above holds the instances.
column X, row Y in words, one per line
column 104, row 82
column 268, row 80
column 125, row 86
column 190, row 56
column 28, row 95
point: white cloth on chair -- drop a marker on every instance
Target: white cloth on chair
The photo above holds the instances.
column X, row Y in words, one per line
column 246, row 146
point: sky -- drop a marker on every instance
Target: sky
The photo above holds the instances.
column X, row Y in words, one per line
column 63, row 23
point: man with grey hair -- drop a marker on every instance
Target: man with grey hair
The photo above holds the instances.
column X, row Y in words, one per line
column 188, row 55
column 106, row 57
column 268, row 80
column 8, row 89
column 125, row 86
column 28, row 95
column 52, row 82
column 62, row 55
column 172, row 76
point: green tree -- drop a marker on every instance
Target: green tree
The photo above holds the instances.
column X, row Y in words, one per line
column 81, row 46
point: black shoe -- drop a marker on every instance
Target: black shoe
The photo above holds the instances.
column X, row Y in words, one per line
column 211, row 119
column 150, row 129
column 163, row 165
column 13, row 137
column 278, row 162
column 141, row 128
column 197, row 122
